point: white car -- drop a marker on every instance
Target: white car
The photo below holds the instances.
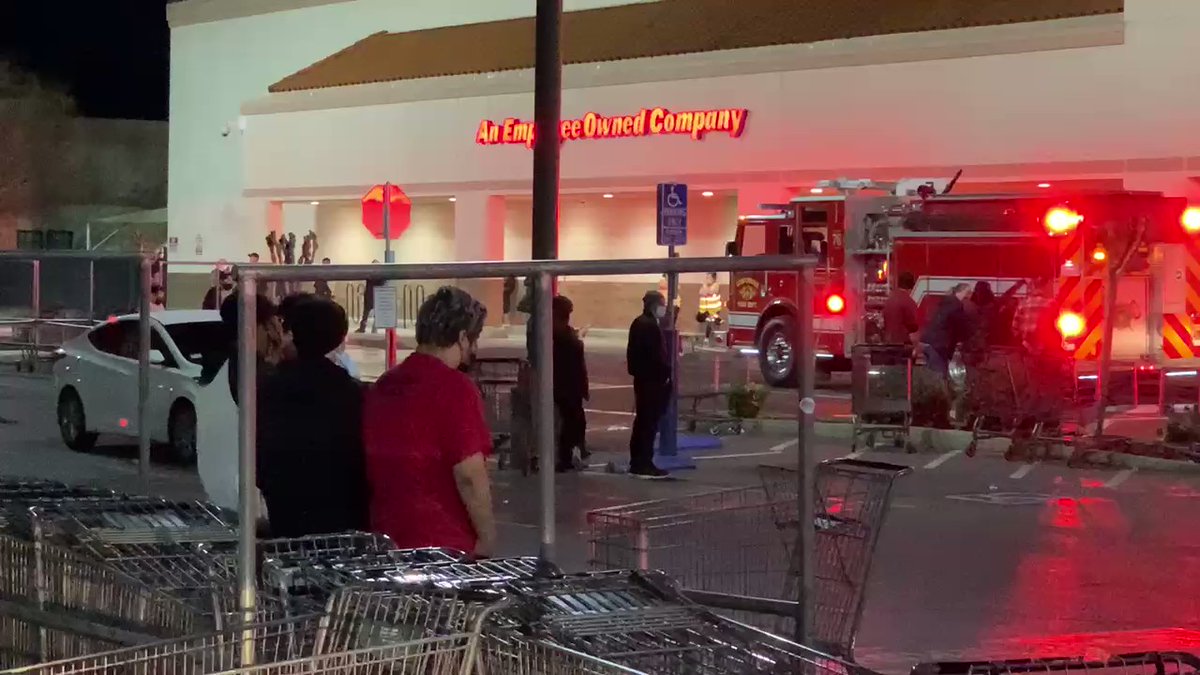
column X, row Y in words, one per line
column 96, row 378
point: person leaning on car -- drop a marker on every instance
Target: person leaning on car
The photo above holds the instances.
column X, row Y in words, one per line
column 310, row 451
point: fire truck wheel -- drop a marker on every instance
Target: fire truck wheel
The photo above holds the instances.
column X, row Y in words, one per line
column 776, row 354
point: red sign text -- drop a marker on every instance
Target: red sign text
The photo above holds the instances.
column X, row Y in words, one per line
column 647, row 122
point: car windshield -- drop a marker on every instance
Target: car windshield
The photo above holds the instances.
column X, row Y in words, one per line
column 194, row 340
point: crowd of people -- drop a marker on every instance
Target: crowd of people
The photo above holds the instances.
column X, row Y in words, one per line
column 973, row 320
column 404, row 456
column 979, row 325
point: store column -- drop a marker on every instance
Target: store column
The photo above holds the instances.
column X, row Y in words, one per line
column 479, row 236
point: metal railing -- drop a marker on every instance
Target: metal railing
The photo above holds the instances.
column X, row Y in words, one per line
column 410, row 298
column 543, row 273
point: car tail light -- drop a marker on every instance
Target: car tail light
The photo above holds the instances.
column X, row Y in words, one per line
column 835, row 303
column 1070, row 325
column 1061, row 220
column 1190, row 220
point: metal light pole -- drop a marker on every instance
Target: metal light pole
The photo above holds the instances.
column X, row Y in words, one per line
column 144, row 376
column 806, row 471
column 247, row 440
column 547, row 111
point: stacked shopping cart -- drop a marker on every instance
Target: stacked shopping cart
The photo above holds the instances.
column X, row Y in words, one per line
column 99, row 582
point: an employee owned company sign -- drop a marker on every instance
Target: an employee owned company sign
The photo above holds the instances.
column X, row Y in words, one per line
column 646, row 122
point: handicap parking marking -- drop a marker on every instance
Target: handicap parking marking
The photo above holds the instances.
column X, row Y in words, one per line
column 1004, row 498
column 1025, row 470
column 1122, row 476
column 945, row 457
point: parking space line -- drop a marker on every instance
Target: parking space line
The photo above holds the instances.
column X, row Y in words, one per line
column 946, row 457
column 1120, row 478
column 780, row 447
column 621, row 413
column 737, row 455
column 1023, row 471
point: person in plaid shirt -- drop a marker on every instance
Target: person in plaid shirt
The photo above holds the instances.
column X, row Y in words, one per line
column 1033, row 324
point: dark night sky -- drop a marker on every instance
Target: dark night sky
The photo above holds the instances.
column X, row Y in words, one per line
column 110, row 55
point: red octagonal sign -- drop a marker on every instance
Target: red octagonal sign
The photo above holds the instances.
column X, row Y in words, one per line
column 400, row 211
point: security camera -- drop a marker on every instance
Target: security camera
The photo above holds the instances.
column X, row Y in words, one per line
column 225, row 130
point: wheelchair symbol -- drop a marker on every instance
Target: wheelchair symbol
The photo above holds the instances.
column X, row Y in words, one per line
column 672, row 200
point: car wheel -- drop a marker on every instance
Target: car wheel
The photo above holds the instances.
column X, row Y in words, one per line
column 72, row 422
column 777, row 353
column 181, row 431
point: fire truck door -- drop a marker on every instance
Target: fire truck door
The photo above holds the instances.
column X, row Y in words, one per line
column 1132, row 336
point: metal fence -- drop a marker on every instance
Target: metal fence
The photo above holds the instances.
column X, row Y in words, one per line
column 543, row 273
column 49, row 297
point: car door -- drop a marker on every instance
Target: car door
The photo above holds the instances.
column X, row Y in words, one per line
column 165, row 380
column 108, row 386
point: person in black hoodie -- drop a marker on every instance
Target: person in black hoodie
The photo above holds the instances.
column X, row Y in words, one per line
column 311, row 467
column 570, row 385
column 646, row 359
column 947, row 328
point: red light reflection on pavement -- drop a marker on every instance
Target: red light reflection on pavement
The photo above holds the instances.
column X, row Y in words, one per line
column 1099, row 645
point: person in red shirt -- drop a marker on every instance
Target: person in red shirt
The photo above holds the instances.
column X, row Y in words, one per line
column 900, row 313
column 426, row 439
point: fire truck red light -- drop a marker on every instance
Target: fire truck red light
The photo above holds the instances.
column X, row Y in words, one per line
column 706, row 193
column 1191, row 219
column 123, row 423
column 1061, row 220
column 816, row 191
column 1099, row 255
column 835, row 304
column 1043, row 185
column 1070, row 325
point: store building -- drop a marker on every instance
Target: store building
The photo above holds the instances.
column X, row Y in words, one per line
column 284, row 113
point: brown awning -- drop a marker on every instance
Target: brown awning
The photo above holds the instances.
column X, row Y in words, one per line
column 663, row 28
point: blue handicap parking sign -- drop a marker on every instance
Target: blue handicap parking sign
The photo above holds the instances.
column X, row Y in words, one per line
column 672, row 214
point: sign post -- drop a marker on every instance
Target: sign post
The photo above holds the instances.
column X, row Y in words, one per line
column 385, row 317
column 672, row 213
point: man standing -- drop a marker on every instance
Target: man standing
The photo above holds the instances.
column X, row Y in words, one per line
column 570, row 385
column 646, row 359
column 1033, row 323
column 321, row 287
column 369, row 300
column 217, row 293
column 311, row 468
column 946, row 329
column 900, row 324
column 426, row 438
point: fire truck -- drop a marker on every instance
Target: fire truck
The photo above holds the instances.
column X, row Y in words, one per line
column 865, row 234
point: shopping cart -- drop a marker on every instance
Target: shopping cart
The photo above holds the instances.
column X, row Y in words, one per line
column 55, row 592
column 641, row 621
column 121, row 526
column 18, row 495
column 741, row 542
column 306, row 583
column 881, row 393
column 1020, row 397
column 213, row 652
column 1147, row 663
column 496, row 379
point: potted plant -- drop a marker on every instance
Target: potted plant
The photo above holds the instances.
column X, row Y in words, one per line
column 746, row 401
